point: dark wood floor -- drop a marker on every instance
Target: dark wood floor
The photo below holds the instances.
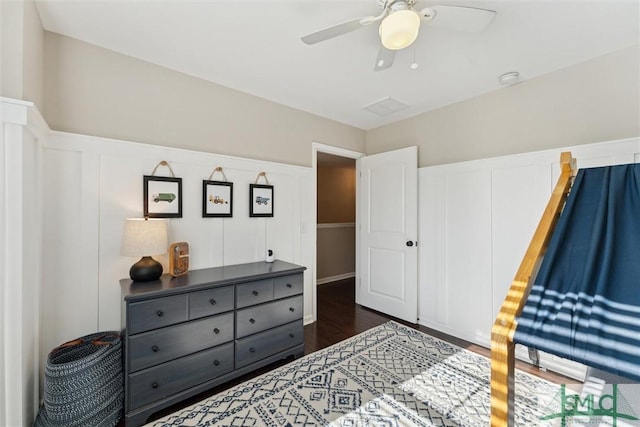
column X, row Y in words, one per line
column 339, row 317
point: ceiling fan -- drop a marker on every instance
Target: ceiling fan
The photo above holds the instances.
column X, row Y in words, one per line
column 400, row 24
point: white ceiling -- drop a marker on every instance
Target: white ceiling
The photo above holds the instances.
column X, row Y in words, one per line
column 254, row 46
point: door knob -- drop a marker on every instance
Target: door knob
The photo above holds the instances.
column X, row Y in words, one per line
column 409, row 243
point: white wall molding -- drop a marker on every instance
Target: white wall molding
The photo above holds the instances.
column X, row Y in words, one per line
column 109, row 146
column 20, row 260
column 476, row 221
column 94, row 183
column 14, row 111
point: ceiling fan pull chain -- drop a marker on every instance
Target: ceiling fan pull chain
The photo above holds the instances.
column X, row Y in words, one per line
column 414, row 65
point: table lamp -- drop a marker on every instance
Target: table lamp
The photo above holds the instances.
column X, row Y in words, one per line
column 144, row 237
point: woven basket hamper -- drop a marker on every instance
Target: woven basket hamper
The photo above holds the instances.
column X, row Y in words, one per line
column 83, row 383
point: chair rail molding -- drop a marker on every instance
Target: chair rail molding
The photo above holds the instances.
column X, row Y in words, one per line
column 336, row 225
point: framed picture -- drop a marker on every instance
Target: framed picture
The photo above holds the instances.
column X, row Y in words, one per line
column 162, row 197
column 217, row 199
column 260, row 200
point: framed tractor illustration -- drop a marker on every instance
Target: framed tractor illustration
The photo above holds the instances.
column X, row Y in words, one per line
column 217, row 199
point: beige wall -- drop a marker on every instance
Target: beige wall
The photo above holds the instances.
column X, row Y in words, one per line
column 21, row 60
column 595, row 101
column 94, row 91
column 336, row 194
column 336, row 253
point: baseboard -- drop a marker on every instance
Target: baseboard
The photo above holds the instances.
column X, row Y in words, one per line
column 335, row 278
column 307, row 320
column 474, row 338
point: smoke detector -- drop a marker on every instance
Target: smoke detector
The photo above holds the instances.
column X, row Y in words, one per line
column 510, row 78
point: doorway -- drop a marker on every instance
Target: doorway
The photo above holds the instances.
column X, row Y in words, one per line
column 386, row 278
column 336, row 213
column 336, row 218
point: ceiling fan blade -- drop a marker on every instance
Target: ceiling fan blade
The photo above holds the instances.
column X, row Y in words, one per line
column 384, row 59
column 337, row 30
column 468, row 19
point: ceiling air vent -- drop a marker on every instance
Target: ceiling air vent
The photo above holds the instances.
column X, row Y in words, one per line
column 385, row 106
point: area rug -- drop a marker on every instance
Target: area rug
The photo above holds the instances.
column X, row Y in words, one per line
column 390, row 375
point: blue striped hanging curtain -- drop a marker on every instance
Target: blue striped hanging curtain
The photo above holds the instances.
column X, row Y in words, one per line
column 584, row 304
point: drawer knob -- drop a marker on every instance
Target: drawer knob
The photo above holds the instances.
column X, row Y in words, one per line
column 155, row 348
column 212, row 301
column 216, row 362
column 155, row 385
column 252, row 350
column 289, row 285
column 252, row 320
column 216, row 331
column 160, row 313
column 291, row 335
column 291, row 309
column 255, row 293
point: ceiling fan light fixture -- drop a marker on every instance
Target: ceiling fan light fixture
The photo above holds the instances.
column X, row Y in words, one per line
column 399, row 29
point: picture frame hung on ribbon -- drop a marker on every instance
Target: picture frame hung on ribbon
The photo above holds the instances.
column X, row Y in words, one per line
column 217, row 199
column 261, row 201
column 162, row 196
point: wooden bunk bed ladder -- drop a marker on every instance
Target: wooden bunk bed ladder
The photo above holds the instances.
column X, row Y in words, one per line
column 502, row 345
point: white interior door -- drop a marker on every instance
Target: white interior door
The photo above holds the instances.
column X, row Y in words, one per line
column 388, row 217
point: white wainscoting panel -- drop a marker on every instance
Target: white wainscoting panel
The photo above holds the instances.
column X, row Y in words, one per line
column 304, row 248
column 22, row 130
column 96, row 183
column 70, row 287
column 476, row 221
column 467, row 260
column 519, row 195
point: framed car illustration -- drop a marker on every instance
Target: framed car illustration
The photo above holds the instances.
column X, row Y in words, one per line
column 260, row 200
column 217, row 199
column 162, row 197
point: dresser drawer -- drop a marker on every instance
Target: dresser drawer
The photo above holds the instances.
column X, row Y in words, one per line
column 252, row 293
column 155, row 347
column 210, row 302
column 259, row 318
column 264, row 344
column 163, row 380
column 156, row 313
column 287, row 286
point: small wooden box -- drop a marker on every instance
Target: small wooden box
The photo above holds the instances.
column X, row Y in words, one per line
column 178, row 259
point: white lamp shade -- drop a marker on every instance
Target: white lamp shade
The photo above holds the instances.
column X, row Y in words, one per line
column 399, row 29
column 144, row 237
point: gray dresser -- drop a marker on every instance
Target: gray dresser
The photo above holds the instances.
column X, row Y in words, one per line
column 187, row 334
